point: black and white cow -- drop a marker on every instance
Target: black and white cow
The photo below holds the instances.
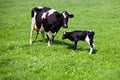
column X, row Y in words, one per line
column 76, row 36
column 48, row 20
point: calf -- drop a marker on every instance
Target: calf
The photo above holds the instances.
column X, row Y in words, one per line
column 48, row 20
column 75, row 36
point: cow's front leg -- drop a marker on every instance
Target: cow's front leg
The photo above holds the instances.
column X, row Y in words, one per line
column 49, row 38
column 37, row 32
column 42, row 34
column 75, row 45
column 53, row 35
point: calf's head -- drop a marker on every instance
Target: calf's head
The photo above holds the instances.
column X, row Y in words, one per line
column 65, row 35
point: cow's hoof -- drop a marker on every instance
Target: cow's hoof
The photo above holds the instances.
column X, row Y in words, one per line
column 74, row 51
column 30, row 43
column 48, row 45
column 90, row 53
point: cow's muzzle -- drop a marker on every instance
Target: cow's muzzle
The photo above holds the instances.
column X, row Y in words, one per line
column 65, row 26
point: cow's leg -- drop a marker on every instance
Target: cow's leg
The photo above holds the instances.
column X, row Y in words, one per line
column 75, row 45
column 37, row 34
column 31, row 32
column 49, row 38
column 42, row 32
column 53, row 35
column 43, row 35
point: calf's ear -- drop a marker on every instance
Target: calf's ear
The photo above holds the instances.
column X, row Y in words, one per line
column 71, row 15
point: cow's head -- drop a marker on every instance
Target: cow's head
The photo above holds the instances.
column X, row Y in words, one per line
column 66, row 16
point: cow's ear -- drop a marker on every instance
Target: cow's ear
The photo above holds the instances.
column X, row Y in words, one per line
column 71, row 15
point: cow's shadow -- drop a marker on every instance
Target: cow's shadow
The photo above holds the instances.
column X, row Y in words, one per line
column 58, row 42
column 55, row 42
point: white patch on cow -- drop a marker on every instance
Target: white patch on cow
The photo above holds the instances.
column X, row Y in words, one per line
column 54, row 34
column 51, row 11
column 44, row 15
column 35, row 27
column 87, row 39
column 39, row 7
column 64, row 15
column 64, row 19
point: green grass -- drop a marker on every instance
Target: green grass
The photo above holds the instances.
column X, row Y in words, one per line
column 20, row 61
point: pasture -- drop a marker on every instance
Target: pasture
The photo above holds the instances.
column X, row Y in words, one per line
column 21, row 61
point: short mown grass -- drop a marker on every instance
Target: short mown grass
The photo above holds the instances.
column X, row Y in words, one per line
column 21, row 61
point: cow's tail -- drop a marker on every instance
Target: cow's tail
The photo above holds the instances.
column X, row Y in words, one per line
column 32, row 13
column 36, row 10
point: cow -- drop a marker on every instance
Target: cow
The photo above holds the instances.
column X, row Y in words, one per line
column 47, row 20
column 79, row 35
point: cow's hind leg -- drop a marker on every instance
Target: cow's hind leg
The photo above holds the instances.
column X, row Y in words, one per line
column 31, row 32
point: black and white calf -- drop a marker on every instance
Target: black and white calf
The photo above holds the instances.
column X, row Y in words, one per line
column 76, row 36
column 48, row 20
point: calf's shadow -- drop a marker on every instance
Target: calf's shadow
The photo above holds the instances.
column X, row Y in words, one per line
column 69, row 45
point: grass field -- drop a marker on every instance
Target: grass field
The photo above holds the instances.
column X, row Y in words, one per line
column 21, row 61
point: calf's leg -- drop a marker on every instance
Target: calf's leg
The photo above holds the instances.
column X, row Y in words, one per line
column 89, row 40
column 75, row 45
column 91, row 46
